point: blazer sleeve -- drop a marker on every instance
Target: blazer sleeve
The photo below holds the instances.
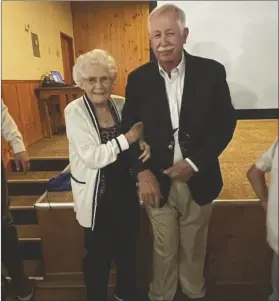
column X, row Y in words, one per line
column 93, row 154
column 130, row 116
column 222, row 126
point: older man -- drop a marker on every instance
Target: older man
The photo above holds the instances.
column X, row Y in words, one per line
column 185, row 105
column 10, row 250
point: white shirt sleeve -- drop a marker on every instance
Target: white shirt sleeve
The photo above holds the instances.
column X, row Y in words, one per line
column 10, row 131
column 192, row 164
column 264, row 163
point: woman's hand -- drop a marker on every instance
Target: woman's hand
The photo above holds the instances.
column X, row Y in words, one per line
column 146, row 151
column 135, row 133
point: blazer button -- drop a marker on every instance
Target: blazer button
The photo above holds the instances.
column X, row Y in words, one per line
column 170, row 147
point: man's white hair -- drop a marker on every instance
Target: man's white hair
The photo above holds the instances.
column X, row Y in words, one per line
column 168, row 7
column 95, row 57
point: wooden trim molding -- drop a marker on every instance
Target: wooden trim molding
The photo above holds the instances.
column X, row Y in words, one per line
column 257, row 114
column 20, row 81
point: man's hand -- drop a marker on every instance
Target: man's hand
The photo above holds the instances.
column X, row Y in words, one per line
column 22, row 159
column 135, row 133
column 181, row 171
column 149, row 189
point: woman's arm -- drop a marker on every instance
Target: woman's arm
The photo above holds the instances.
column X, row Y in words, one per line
column 91, row 152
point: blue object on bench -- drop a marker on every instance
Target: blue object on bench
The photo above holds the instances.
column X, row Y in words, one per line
column 62, row 182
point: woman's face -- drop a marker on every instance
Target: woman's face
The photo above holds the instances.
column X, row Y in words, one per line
column 98, row 84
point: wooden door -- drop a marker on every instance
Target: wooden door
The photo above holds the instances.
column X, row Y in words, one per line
column 67, row 57
column 67, row 50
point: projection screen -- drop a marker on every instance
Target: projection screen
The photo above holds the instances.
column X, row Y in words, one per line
column 242, row 35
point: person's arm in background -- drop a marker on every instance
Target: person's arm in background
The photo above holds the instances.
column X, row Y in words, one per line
column 148, row 184
column 12, row 135
column 256, row 175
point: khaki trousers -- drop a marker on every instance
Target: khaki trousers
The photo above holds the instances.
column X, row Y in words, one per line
column 180, row 234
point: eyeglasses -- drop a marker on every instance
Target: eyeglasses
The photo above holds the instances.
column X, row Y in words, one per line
column 103, row 80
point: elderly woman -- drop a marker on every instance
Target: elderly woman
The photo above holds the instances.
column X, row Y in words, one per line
column 104, row 192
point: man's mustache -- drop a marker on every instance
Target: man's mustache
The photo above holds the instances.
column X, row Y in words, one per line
column 161, row 49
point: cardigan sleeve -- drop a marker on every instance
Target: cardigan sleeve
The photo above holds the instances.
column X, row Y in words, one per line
column 93, row 154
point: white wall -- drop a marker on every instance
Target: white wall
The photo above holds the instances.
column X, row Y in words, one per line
column 243, row 35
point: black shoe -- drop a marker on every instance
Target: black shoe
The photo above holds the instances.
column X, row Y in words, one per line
column 197, row 299
column 4, row 287
column 115, row 298
column 179, row 296
column 24, row 289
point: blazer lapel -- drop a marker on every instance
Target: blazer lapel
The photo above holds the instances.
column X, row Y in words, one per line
column 162, row 104
column 189, row 87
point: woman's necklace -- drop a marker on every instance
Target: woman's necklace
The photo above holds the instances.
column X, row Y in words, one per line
column 106, row 123
column 105, row 119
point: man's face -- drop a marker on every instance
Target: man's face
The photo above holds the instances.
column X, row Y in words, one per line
column 166, row 37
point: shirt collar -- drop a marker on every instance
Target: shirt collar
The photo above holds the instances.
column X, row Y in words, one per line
column 180, row 68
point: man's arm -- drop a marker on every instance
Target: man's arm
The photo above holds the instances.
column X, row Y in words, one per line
column 130, row 116
column 11, row 133
column 216, row 140
column 148, row 185
column 256, row 175
column 223, row 124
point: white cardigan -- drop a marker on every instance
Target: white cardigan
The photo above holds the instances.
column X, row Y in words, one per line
column 88, row 155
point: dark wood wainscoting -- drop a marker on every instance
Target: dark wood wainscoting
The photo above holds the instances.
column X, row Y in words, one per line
column 19, row 97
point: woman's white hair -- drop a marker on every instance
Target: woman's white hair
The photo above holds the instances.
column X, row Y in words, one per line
column 97, row 57
column 168, row 7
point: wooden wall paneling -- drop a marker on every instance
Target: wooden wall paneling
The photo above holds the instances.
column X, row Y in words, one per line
column 19, row 97
column 10, row 98
column 25, row 110
column 37, row 126
column 137, row 44
column 119, row 27
column 238, row 258
column 80, row 24
column 29, row 112
column 9, row 95
column 237, row 251
column 62, row 241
